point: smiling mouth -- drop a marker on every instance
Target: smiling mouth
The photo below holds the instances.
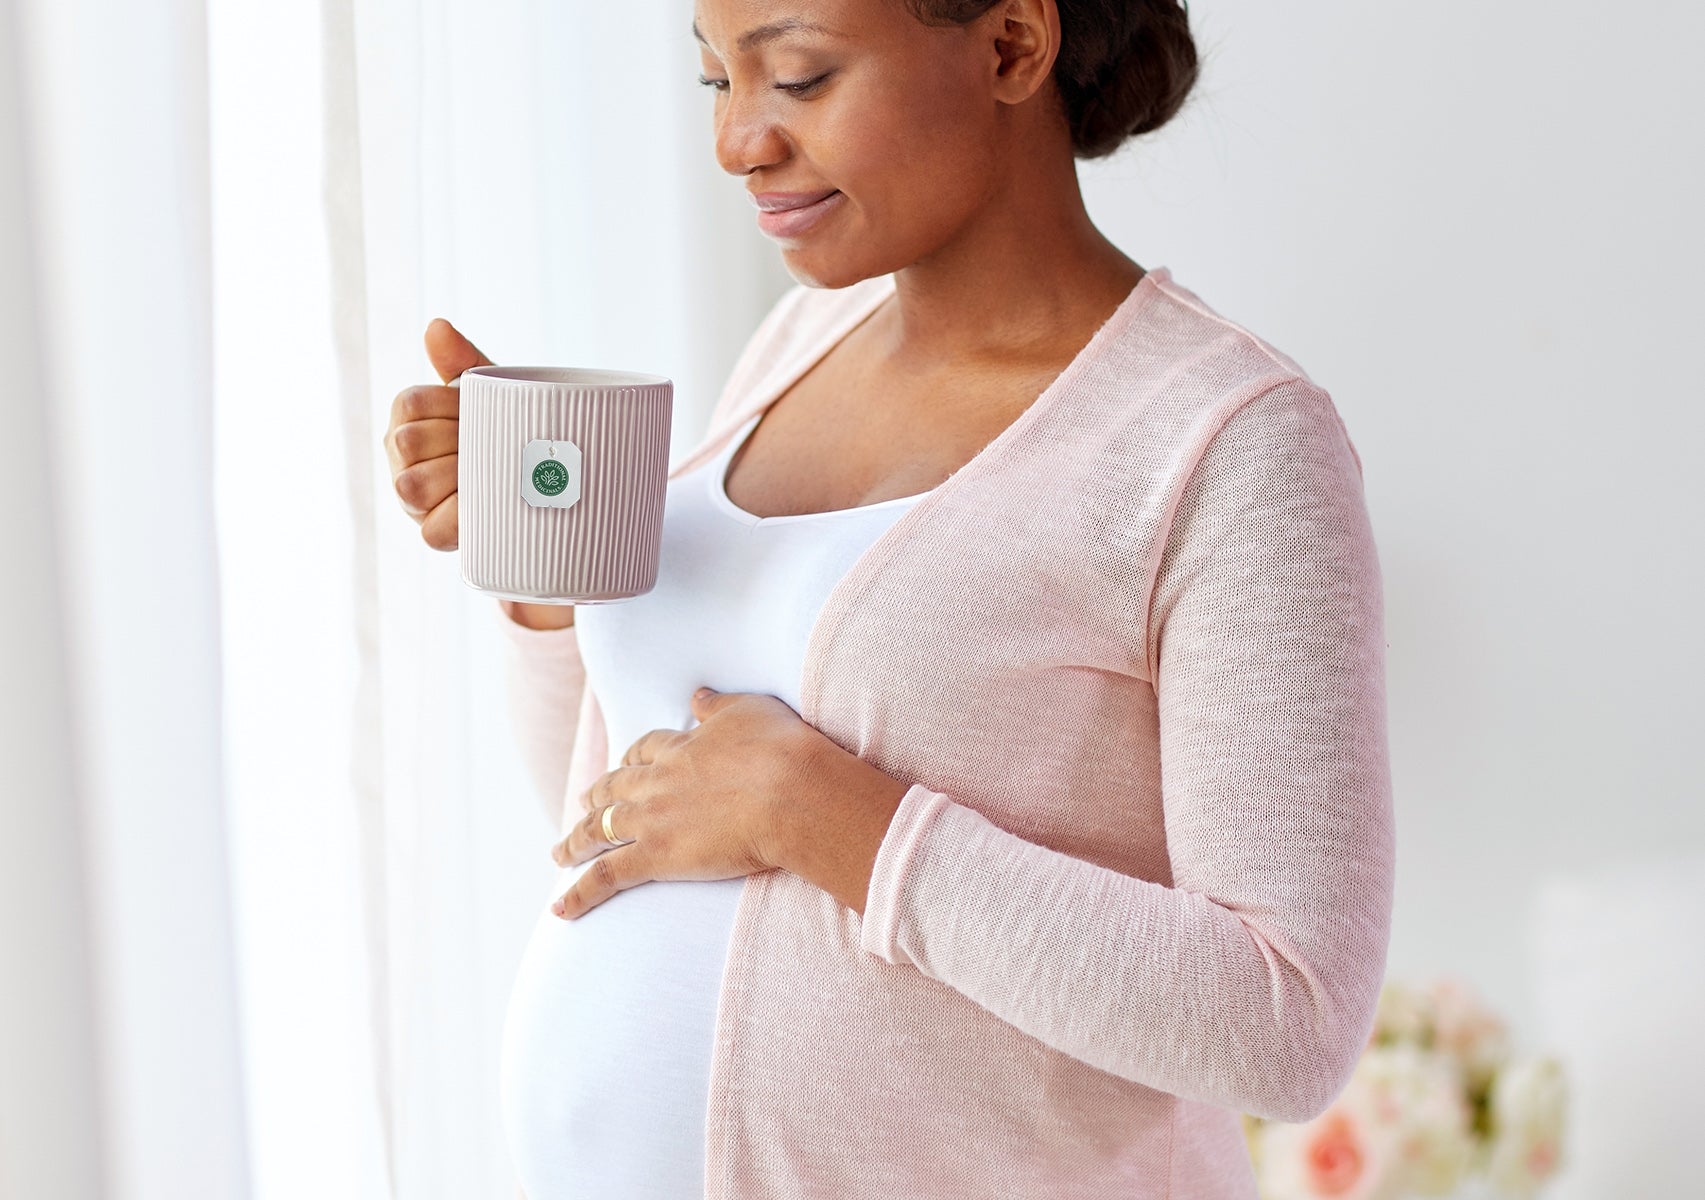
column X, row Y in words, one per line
column 796, row 221
column 790, row 203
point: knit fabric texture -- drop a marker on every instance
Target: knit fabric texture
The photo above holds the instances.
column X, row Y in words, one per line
column 1131, row 660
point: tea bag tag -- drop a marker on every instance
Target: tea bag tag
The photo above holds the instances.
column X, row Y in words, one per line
column 550, row 473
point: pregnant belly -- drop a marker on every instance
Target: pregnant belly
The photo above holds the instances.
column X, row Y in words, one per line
column 607, row 1041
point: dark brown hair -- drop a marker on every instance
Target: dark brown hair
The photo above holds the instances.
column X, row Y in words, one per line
column 1123, row 69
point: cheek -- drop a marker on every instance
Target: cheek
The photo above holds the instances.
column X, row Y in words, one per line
column 886, row 152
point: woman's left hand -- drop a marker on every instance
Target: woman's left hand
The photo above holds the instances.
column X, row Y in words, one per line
column 700, row 803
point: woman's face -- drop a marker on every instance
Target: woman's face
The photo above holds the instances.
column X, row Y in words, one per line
column 860, row 98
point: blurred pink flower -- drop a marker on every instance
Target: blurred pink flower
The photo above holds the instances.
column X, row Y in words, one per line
column 1467, row 1030
column 1529, row 1107
column 1420, row 1094
column 1335, row 1156
column 1346, row 1153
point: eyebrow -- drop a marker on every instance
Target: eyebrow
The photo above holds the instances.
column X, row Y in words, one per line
column 771, row 31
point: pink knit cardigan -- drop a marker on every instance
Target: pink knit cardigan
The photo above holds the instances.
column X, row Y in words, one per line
column 1131, row 658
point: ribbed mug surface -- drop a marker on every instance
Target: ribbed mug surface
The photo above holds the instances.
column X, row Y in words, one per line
column 602, row 546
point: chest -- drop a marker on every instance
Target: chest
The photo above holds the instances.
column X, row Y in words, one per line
column 849, row 433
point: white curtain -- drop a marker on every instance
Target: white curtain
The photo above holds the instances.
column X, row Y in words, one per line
column 269, row 854
column 119, row 973
column 49, row 1101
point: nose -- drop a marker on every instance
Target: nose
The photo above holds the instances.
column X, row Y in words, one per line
column 748, row 135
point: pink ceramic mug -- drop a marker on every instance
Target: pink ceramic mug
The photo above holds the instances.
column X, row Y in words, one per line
column 561, row 473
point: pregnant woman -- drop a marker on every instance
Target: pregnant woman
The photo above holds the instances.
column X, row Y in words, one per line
column 1040, row 820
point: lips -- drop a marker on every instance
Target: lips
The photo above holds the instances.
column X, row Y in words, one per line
column 785, row 201
column 806, row 211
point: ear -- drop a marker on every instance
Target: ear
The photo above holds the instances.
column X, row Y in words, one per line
column 1026, row 39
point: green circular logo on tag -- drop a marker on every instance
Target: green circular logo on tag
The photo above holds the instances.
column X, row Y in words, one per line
column 550, row 478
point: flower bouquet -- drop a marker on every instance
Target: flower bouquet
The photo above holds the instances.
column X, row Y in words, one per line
column 1437, row 1105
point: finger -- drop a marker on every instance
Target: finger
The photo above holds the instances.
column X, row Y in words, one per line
column 450, row 352
column 586, row 836
column 613, row 872
column 598, row 794
column 423, row 486
column 649, row 745
column 431, row 437
column 438, row 527
column 423, row 401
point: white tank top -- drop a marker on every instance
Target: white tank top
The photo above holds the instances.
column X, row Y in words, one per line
column 607, row 1042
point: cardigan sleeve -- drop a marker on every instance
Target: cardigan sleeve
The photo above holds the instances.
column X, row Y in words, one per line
column 544, row 681
column 1250, row 982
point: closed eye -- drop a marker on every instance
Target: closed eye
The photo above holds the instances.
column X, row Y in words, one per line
column 798, row 89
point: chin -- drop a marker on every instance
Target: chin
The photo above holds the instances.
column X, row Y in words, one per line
column 817, row 275
column 815, row 269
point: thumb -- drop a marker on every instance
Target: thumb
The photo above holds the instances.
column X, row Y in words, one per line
column 450, row 352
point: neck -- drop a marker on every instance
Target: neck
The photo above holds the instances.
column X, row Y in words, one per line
column 1025, row 276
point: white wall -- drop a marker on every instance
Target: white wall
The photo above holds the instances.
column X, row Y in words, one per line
column 1478, row 228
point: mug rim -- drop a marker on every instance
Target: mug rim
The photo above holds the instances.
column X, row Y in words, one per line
column 589, row 377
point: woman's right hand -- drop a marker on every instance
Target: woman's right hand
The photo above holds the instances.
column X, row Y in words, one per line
column 421, row 446
column 421, row 442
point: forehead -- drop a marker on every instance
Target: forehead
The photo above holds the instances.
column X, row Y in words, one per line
column 747, row 26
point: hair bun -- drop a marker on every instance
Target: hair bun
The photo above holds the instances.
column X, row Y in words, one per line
column 1124, row 69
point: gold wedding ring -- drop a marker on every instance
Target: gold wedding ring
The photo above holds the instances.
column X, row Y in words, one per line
column 610, row 834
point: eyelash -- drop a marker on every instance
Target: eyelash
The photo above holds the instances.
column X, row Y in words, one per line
column 798, row 89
